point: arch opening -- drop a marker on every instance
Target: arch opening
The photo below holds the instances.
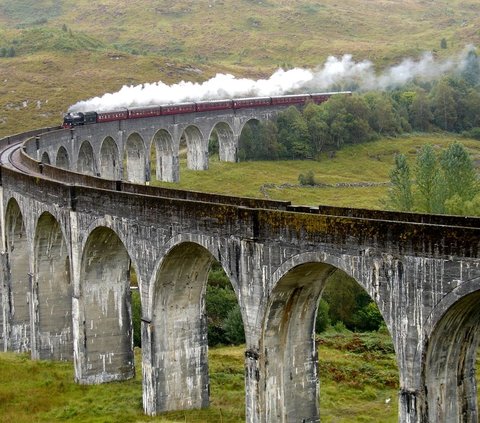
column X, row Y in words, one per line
column 164, row 161
column 62, row 160
column 450, row 363
column 292, row 352
column 54, row 334
column 222, row 142
column 109, row 159
column 134, row 159
column 18, row 289
column 86, row 159
column 180, row 329
column 106, row 335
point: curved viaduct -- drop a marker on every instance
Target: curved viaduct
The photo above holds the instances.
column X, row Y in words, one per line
column 121, row 149
column 70, row 239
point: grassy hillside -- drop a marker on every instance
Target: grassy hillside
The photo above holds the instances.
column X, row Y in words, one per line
column 258, row 32
column 71, row 50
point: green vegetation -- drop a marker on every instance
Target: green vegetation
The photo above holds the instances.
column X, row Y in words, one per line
column 449, row 104
column 358, row 379
column 447, row 184
column 358, row 374
column 225, row 325
column 356, row 176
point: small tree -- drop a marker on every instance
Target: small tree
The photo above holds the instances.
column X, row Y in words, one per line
column 307, row 179
column 233, row 326
column 444, row 105
column 428, row 181
column 322, row 320
column 460, row 178
column 400, row 193
column 443, row 43
column 368, row 318
column 419, row 113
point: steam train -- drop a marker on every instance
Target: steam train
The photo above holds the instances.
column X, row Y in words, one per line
column 80, row 118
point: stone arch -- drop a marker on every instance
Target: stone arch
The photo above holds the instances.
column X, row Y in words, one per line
column 53, row 289
column 166, row 159
column 135, row 168
column 45, row 158
column 62, row 160
column 451, row 352
column 177, row 376
column 197, row 148
column 287, row 343
column 86, row 159
column 18, row 280
column 106, row 335
column 227, row 148
column 109, row 159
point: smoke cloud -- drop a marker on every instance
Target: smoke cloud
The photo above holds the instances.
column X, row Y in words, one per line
column 335, row 74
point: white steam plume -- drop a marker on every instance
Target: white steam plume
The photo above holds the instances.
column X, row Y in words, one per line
column 334, row 74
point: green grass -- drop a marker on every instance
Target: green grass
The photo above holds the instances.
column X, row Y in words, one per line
column 365, row 163
column 44, row 391
column 358, row 379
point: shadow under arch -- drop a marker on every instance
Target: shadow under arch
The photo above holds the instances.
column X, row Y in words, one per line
column 166, row 162
column 106, row 335
column 86, row 159
column 227, row 150
column 175, row 371
column 53, row 290
column 18, row 283
column 109, row 159
column 62, row 160
column 45, row 158
column 450, row 359
column 134, row 159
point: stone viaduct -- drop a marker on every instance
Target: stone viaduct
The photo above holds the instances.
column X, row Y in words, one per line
column 70, row 238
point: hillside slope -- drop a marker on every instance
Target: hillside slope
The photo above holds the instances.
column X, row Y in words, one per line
column 68, row 50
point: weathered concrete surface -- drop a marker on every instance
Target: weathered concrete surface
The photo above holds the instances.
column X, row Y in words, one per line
column 65, row 244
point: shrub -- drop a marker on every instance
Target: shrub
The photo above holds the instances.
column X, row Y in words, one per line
column 307, row 179
column 233, row 326
column 472, row 133
column 323, row 319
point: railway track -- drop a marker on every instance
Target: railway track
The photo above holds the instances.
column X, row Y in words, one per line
column 10, row 157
